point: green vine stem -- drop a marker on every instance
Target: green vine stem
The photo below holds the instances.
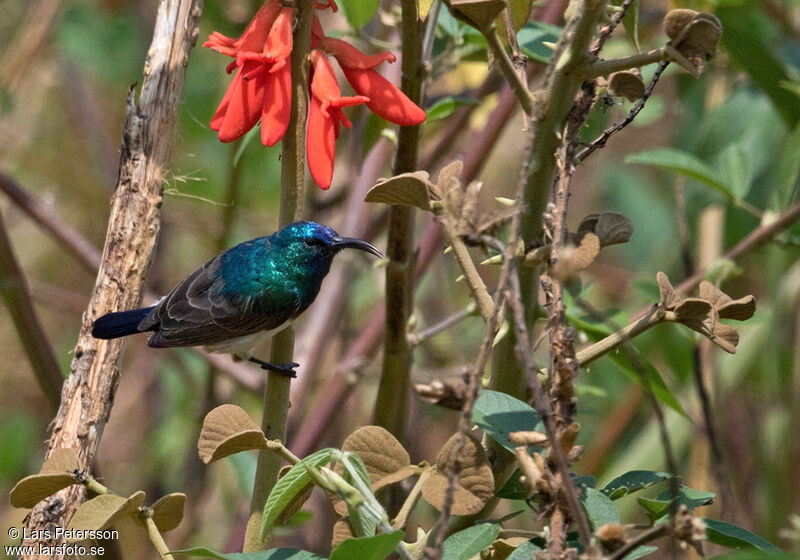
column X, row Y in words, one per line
column 391, row 406
column 276, row 397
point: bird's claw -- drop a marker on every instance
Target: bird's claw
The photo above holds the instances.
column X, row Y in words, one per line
column 282, row 369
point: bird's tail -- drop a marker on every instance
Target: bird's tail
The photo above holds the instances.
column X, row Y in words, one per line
column 121, row 323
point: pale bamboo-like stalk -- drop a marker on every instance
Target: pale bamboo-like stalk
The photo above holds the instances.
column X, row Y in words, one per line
column 88, row 392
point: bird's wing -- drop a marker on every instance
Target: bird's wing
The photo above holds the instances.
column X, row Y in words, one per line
column 197, row 313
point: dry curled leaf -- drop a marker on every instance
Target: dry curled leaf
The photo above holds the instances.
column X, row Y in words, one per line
column 56, row 473
column 103, row 511
column 382, row 453
column 694, row 37
column 410, row 189
column 611, row 228
column 703, row 314
column 341, row 532
column 475, row 483
column 627, row 84
column 227, row 430
column 168, row 511
column 480, row 14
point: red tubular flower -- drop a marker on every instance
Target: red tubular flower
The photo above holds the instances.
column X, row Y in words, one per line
column 385, row 99
column 324, row 117
column 261, row 87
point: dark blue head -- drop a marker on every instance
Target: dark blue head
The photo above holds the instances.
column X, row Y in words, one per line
column 310, row 242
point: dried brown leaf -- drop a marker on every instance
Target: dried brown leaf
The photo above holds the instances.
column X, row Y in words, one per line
column 396, row 476
column 34, row 488
column 693, row 309
column 227, row 430
column 61, row 461
column 341, row 532
column 669, row 298
column 382, row 454
column 627, row 84
column 480, row 14
column 104, row 510
column 410, row 189
column 168, row 511
column 725, row 337
column 740, row 309
column 475, row 484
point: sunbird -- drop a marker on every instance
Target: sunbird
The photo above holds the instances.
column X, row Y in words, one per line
column 240, row 296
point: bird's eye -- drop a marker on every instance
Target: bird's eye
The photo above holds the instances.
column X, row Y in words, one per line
column 311, row 242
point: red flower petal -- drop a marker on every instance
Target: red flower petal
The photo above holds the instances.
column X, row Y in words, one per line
column 244, row 104
column 349, row 56
column 279, row 41
column 277, row 106
column 325, row 87
column 385, row 99
column 255, row 35
column 320, row 144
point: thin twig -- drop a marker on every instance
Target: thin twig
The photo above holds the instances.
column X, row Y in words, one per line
column 509, row 71
column 601, row 140
column 644, row 537
column 17, row 297
column 616, row 19
column 418, row 338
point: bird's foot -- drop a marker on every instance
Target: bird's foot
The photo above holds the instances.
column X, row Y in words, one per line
column 283, row 369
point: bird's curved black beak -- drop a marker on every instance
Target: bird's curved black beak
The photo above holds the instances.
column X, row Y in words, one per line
column 355, row 243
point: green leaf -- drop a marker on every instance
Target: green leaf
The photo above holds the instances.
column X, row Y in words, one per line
column 513, row 489
column 377, row 547
column 359, row 12
column 533, row 35
column 632, row 481
column 289, row 485
column 731, row 536
column 355, row 467
column 470, row 542
column 445, row 107
column 658, row 507
column 639, row 552
column 499, row 414
column 525, row 551
column 271, row 554
column 747, row 40
column 660, row 389
column 599, row 508
column 683, row 163
column 737, row 168
column 631, row 22
column 520, row 12
column 789, row 166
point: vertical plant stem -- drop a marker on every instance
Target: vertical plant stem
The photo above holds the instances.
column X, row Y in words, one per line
column 17, row 297
column 88, row 393
column 391, row 407
column 276, row 397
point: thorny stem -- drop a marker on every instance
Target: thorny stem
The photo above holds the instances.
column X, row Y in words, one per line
column 276, row 397
column 471, row 276
column 546, row 412
column 506, row 66
column 391, row 406
column 415, row 339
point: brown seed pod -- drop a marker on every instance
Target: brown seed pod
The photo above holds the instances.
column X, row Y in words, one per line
column 694, row 35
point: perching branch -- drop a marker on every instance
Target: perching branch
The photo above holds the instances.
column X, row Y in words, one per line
column 88, row 393
column 276, row 396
